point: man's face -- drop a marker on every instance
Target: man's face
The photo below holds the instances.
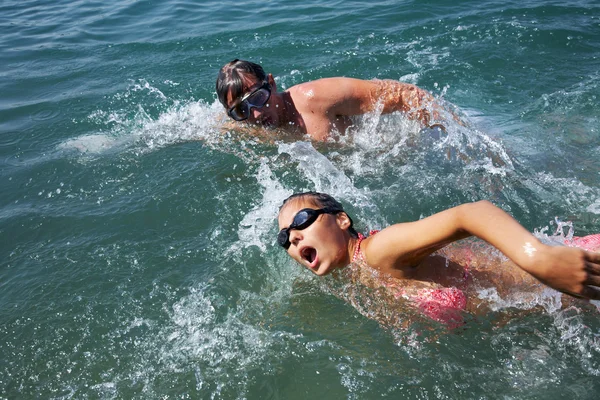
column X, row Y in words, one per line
column 256, row 104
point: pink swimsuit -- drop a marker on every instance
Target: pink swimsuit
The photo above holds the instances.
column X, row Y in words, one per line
column 445, row 304
column 589, row 242
column 442, row 305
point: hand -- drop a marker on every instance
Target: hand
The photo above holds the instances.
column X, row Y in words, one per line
column 570, row 270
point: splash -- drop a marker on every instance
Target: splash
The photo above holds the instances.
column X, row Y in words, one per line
column 148, row 120
column 255, row 227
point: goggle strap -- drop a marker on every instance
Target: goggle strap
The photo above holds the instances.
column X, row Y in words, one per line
column 285, row 232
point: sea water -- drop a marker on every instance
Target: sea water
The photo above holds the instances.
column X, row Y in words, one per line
column 137, row 254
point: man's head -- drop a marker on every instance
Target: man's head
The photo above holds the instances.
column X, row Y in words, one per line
column 233, row 78
column 245, row 91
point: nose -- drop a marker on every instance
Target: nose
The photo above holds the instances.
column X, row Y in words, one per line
column 255, row 113
column 295, row 236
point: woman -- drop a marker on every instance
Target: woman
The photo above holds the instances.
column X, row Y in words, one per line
column 317, row 232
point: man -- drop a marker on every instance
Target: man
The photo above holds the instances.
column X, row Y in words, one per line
column 316, row 108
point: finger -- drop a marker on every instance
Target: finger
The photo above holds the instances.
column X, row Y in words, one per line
column 593, row 280
column 593, row 257
column 592, row 268
column 591, row 292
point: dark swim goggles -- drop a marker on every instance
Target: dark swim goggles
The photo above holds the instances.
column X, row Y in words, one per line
column 302, row 220
column 255, row 99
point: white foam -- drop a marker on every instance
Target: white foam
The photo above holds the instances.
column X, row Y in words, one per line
column 134, row 127
column 257, row 223
column 92, row 143
column 325, row 176
column 548, row 298
column 594, row 207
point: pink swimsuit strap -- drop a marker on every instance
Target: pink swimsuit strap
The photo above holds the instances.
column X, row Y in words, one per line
column 358, row 254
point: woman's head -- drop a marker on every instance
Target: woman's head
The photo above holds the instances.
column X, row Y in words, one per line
column 316, row 231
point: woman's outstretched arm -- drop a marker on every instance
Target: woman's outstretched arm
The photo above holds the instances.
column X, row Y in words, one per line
column 399, row 248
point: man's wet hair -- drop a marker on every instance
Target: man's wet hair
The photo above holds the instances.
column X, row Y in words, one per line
column 231, row 78
column 322, row 200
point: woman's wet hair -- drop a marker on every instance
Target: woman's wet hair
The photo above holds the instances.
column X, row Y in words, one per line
column 231, row 78
column 321, row 200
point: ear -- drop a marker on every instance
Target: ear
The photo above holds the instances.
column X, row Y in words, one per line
column 343, row 220
column 271, row 81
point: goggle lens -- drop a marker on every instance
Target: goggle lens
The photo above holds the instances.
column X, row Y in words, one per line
column 256, row 99
column 302, row 220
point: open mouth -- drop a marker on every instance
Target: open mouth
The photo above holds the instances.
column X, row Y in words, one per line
column 309, row 254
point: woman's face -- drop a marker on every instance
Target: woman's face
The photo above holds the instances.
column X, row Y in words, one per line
column 320, row 247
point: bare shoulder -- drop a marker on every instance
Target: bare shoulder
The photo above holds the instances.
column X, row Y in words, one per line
column 384, row 249
column 338, row 96
column 314, row 97
column 330, row 87
column 406, row 244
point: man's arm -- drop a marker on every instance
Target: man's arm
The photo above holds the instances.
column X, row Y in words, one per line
column 568, row 270
column 343, row 97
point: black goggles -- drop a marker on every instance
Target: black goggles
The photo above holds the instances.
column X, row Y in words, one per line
column 302, row 220
column 255, row 99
